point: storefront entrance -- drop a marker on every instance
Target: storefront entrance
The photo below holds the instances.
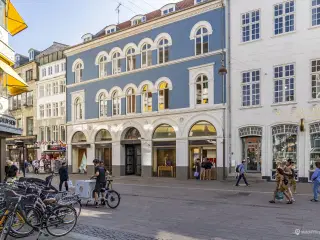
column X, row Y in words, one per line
column 103, row 146
column 79, row 153
column 133, row 159
column 252, row 153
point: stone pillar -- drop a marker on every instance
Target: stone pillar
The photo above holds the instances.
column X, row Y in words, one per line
column 219, row 169
column 118, row 159
column 90, row 157
column 69, row 158
column 3, row 158
column 182, row 159
column 146, row 158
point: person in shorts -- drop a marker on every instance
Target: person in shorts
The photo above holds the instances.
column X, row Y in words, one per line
column 100, row 180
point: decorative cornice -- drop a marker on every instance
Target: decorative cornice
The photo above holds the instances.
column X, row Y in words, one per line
column 203, row 8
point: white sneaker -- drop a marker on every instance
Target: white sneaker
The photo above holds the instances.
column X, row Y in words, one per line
column 293, row 200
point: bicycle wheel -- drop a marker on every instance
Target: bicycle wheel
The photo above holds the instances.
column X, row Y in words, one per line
column 61, row 221
column 77, row 206
column 113, row 199
column 7, row 227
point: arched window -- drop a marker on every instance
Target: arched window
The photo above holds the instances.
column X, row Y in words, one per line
column 131, row 59
column 116, row 63
column 115, row 103
column 103, row 135
column 146, row 99
column 202, row 129
column 103, row 107
column 78, row 73
column 78, row 137
column 78, row 109
column 131, row 100
column 163, row 51
column 102, row 66
column 146, row 55
column 202, row 41
column 163, row 96
column 202, row 89
column 164, row 131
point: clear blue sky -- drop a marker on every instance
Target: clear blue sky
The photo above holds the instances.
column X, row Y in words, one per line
column 65, row 21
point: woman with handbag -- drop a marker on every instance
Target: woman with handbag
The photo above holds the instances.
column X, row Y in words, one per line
column 197, row 169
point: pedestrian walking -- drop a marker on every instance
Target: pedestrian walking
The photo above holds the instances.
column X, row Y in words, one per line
column 197, row 169
column 241, row 170
column 36, row 167
column 64, row 176
column 292, row 178
column 203, row 169
column 208, row 167
column 316, row 183
column 282, row 184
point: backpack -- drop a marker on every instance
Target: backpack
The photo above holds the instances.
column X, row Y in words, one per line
column 238, row 168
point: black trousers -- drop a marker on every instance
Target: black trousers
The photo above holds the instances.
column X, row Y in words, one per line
column 241, row 175
column 65, row 184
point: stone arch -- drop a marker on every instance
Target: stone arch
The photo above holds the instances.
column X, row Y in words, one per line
column 123, row 129
column 167, row 121
column 116, row 88
column 130, row 85
column 79, row 60
column 116, row 49
column 97, row 129
column 131, row 45
column 163, row 36
column 146, row 40
column 194, row 29
column 102, row 91
column 163, row 79
column 146, row 82
column 86, row 134
column 101, row 54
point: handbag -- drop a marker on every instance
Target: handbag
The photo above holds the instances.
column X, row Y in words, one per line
column 279, row 195
column 196, row 174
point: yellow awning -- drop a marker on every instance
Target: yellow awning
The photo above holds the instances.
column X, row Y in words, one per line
column 15, row 23
column 14, row 83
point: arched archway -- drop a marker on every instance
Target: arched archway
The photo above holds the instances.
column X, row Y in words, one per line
column 202, row 138
column 103, row 148
column 131, row 140
column 79, row 152
column 164, row 151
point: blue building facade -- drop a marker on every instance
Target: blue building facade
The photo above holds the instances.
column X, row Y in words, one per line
column 147, row 98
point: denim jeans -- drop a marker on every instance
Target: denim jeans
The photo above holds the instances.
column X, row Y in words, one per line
column 316, row 190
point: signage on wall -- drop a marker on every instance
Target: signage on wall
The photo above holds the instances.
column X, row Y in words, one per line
column 56, row 147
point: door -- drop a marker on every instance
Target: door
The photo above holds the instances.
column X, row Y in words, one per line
column 108, row 159
column 81, row 152
column 253, row 154
column 133, row 160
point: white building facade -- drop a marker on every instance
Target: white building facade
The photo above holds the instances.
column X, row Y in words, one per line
column 51, row 95
column 275, row 75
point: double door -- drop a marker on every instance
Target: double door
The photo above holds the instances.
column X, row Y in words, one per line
column 133, row 160
column 253, row 155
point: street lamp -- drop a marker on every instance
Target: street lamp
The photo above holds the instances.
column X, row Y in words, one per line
column 223, row 72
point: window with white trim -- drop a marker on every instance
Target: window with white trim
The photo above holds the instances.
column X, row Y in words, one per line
column 55, row 88
column 62, row 109
column 49, row 70
column 42, row 134
column 163, row 51
column 56, row 68
column 62, row 86
column 146, row 55
column 167, row 11
column 251, row 26
column 202, row 41
column 48, row 134
column 284, row 17
column 103, row 105
column 250, row 87
column 315, row 78
column 78, row 109
column 48, row 89
column 284, row 77
column 41, row 110
column 202, row 86
column 200, row 1
column 163, row 96
column 131, row 101
column 78, row 73
column 116, row 63
column 146, row 99
column 63, row 67
column 131, row 59
column 116, row 100
column 62, row 133
column 48, row 110
column 44, row 72
column 103, row 66
column 55, row 133
column 55, row 107
column 41, row 91
column 139, row 20
column 315, row 12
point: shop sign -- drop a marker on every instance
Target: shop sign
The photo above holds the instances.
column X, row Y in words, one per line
column 56, row 148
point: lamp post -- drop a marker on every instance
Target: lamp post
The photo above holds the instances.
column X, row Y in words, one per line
column 223, row 72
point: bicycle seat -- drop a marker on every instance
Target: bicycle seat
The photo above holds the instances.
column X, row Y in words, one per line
column 49, row 201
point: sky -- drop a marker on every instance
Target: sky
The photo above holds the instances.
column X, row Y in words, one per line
column 66, row 21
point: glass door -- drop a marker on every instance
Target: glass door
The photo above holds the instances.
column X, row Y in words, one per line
column 253, row 154
column 195, row 153
column 130, row 155
column 138, row 160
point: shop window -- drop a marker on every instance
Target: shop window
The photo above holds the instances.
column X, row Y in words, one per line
column 132, row 134
column 315, row 145
column 202, row 129
column 164, row 131
column 79, row 137
column 103, row 135
column 146, row 99
column 163, row 96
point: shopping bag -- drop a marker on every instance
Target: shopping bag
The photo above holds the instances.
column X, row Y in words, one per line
column 70, row 183
column 196, row 174
column 279, row 195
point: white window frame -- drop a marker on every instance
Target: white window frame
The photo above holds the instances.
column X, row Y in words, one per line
column 31, row 55
column 131, row 57
column 164, row 46
column 283, row 17
column 62, row 108
column 62, row 86
column 41, row 111
column 250, row 25
column 315, row 78
column 55, row 107
column 48, row 89
column 315, row 8
column 145, row 98
column 132, row 98
column 55, row 133
column 103, row 67
column 63, row 139
column 116, row 107
column 48, row 136
column 48, row 110
column 162, row 100
column 202, row 35
column 250, row 83
column 202, row 94
column 283, row 79
column 78, row 73
column 56, row 68
column 44, row 72
column 78, row 108
column 116, row 63
column 103, row 105
column 42, row 134
column 50, row 70
column 55, row 86
column 148, row 55
column 41, row 90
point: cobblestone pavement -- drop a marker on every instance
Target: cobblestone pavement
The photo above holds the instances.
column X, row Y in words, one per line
column 170, row 211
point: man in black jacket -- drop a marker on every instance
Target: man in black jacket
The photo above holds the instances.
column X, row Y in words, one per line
column 64, row 176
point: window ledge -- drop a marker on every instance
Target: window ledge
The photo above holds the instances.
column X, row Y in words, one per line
column 283, row 104
column 284, row 34
column 251, row 41
column 250, row 107
column 317, row 100
column 314, row 27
